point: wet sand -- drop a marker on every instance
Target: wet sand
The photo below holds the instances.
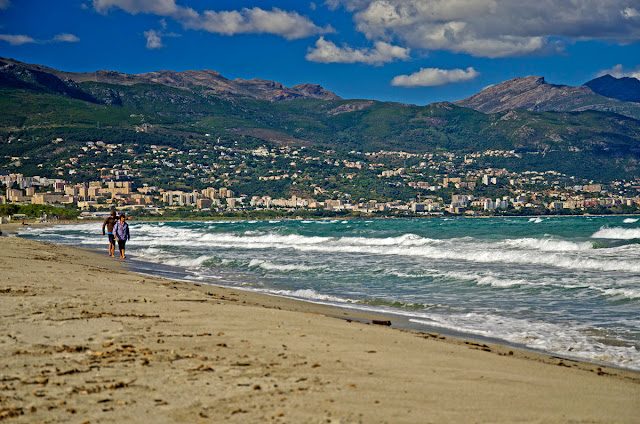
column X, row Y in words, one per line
column 84, row 341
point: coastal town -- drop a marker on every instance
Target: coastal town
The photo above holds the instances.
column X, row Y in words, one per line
column 215, row 180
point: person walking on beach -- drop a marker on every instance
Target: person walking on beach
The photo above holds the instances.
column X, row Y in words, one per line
column 109, row 223
column 121, row 233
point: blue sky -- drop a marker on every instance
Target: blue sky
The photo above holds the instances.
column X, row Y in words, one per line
column 412, row 51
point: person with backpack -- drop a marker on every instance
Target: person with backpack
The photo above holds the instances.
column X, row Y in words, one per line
column 121, row 234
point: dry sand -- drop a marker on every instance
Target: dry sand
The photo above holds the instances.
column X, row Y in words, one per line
column 84, row 341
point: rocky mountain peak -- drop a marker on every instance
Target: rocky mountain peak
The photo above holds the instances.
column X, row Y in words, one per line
column 516, row 93
column 535, row 94
column 261, row 83
column 515, row 86
column 316, row 91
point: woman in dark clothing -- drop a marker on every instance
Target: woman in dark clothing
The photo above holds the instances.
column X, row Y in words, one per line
column 121, row 233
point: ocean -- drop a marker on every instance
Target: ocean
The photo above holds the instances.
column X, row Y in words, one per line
column 569, row 286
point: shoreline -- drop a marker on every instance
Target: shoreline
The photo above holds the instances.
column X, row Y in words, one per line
column 86, row 340
column 349, row 311
column 334, row 310
column 359, row 312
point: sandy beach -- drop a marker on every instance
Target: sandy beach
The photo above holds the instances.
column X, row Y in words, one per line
column 85, row 341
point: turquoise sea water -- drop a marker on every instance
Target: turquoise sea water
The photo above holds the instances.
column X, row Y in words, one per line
column 568, row 286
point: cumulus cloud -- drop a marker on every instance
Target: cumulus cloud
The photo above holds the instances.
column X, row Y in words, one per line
column 290, row 25
column 156, row 7
column 494, row 28
column 327, row 52
column 17, row 40
column 154, row 40
column 154, row 36
column 66, row 38
column 430, row 77
column 618, row 71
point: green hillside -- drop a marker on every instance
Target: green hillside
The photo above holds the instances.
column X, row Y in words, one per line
column 36, row 110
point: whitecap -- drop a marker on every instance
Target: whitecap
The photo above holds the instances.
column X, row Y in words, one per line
column 617, row 233
column 187, row 262
column 552, row 254
column 492, row 281
column 548, row 244
column 480, row 279
column 270, row 266
column 309, row 294
column 628, row 293
column 560, row 339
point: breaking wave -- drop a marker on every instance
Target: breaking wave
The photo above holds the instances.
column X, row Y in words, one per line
column 561, row 339
column 270, row 266
column 617, row 233
column 548, row 245
column 308, row 294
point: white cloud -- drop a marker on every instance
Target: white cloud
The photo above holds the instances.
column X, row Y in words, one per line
column 156, row 7
column 327, row 52
column 154, row 40
column 430, row 77
column 17, row 40
column 618, row 71
column 494, row 28
column 290, row 25
column 66, row 38
column 631, row 13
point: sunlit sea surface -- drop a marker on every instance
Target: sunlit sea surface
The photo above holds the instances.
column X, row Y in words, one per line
column 568, row 286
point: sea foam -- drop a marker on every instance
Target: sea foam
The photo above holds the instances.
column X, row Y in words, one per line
column 557, row 338
column 548, row 245
column 187, row 262
column 270, row 266
column 555, row 253
column 308, row 294
column 617, row 233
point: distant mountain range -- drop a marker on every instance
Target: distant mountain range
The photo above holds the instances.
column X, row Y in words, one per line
column 585, row 131
column 606, row 94
column 24, row 75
